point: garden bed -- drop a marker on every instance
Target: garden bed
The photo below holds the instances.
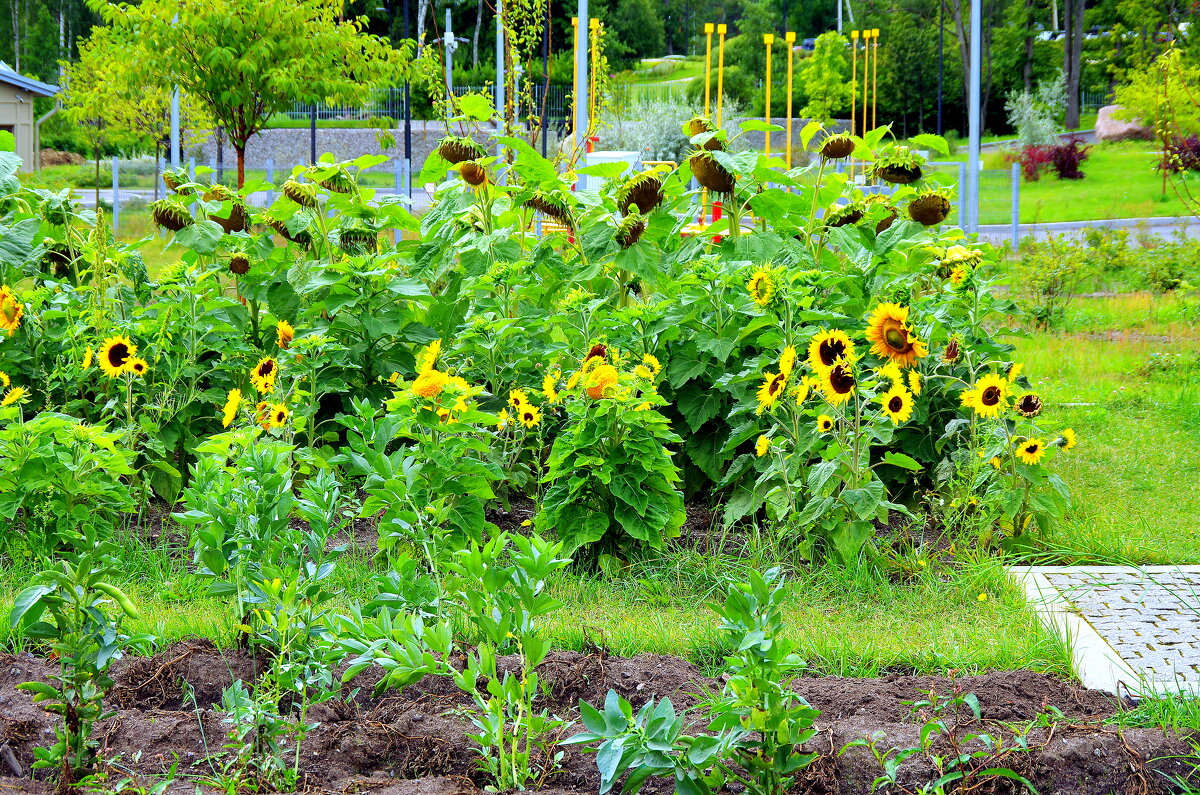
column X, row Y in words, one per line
column 413, row 740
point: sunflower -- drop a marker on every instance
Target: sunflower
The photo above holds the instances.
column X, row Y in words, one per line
column 772, row 387
column 1014, row 371
column 891, row 371
column 652, row 362
column 838, row 384
column 803, row 389
column 1028, row 405
column 897, row 404
column 914, row 382
column 262, row 414
column 5, row 381
column 602, row 381
column 114, row 354
column 827, row 347
column 1031, row 451
column 136, row 366
column 232, row 402
column 529, row 415
column 279, row 415
column 11, row 310
column 550, row 387
column 517, row 398
column 1067, row 441
column 643, row 372
column 952, row 352
column 989, row 397
column 13, row 395
column 890, row 336
column 428, row 356
column 997, row 462
column 502, row 419
column 761, row 446
column 87, row 358
column 598, row 352
column 787, row 361
column 761, row 287
column 263, row 374
column 430, row 383
column 958, row 276
column 284, row 334
column 824, row 423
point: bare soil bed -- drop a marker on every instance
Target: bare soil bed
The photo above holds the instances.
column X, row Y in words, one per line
column 412, row 742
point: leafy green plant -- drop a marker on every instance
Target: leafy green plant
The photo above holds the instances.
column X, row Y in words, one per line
column 68, row 607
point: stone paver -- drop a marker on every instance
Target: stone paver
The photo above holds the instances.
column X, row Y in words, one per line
column 1133, row 630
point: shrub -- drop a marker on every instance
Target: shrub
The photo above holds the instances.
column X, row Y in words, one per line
column 1066, row 157
column 1035, row 160
column 1034, row 115
column 1181, row 154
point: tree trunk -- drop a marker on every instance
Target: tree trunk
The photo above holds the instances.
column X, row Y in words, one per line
column 1073, row 57
column 1028, row 75
column 475, row 38
column 240, row 148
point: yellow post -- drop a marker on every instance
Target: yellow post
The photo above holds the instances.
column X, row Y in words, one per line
column 574, row 73
column 790, row 40
column 875, row 79
column 853, row 79
column 593, row 25
column 769, row 40
column 708, row 32
column 721, row 31
column 866, row 76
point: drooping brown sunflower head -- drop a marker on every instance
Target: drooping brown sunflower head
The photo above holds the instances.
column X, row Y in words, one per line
column 239, row 264
column 550, row 205
column 952, row 352
column 170, row 214
column 643, row 192
column 339, row 181
column 303, row 237
column 630, row 230
column 455, row 149
column 930, row 209
column 1029, row 405
column 697, row 125
column 900, row 166
column 837, row 146
column 173, row 179
column 599, row 350
column 843, row 214
column 472, row 173
column 302, row 193
column 238, row 219
column 711, row 174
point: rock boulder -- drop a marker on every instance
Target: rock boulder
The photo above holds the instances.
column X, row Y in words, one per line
column 1110, row 128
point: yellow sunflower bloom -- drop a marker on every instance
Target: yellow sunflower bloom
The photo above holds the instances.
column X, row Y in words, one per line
column 529, row 416
column 279, row 415
column 428, row 356
column 573, row 381
column 890, row 336
column 517, row 398
column 803, row 389
column 550, row 387
column 87, row 359
column 284, row 334
column 997, row 462
column 891, row 371
column 5, row 381
column 13, row 395
column 958, row 276
column 602, row 381
column 1068, row 438
column 837, row 384
column 643, row 372
column 914, row 382
column 502, row 419
column 989, row 397
column 827, row 348
column 430, row 384
column 262, row 414
column 11, row 310
column 1014, row 372
column 652, row 362
column 787, row 361
column 761, row 446
column 263, row 374
column 1031, row 451
column 769, row 393
column 115, row 353
column 232, row 402
column 824, row 423
column 897, row 404
column 136, row 366
column 761, row 288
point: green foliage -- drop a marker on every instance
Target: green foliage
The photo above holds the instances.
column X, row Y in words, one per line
column 1051, row 274
column 824, row 78
column 1159, row 95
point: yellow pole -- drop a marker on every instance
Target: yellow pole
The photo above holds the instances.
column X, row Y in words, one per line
column 853, row 87
column 593, row 24
column 575, row 77
column 875, row 80
column 790, row 39
column 769, row 40
column 866, row 76
column 721, row 31
column 708, row 32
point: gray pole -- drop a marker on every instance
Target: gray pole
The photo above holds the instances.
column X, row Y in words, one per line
column 501, row 111
column 116, row 202
column 839, row 2
column 175, row 150
column 581, row 80
column 973, row 120
column 448, row 48
column 1016, row 205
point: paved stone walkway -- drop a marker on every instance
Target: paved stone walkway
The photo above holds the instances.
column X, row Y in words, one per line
column 1133, row 630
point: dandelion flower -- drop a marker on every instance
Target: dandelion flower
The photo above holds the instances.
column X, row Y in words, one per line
column 11, row 310
column 897, row 404
column 430, row 384
column 772, row 387
column 890, row 336
column 1031, row 451
column 838, row 384
column 827, row 348
column 989, row 397
column 284, row 334
column 279, row 415
column 232, row 402
column 263, row 374
column 761, row 446
column 13, row 395
column 824, row 423
column 983, row 597
column 115, row 353
column 760, row 287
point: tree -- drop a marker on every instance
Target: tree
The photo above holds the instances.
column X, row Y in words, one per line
column 824, row 78
column 246, row 60
column 637, row 26
column 1073, row 56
